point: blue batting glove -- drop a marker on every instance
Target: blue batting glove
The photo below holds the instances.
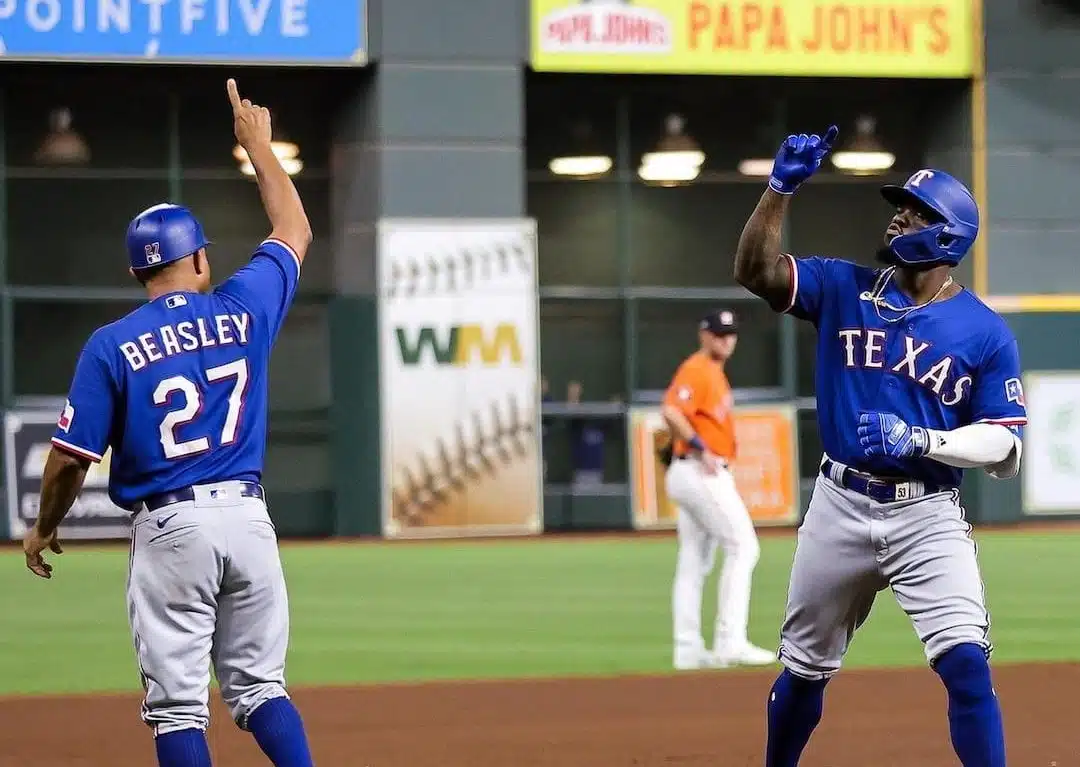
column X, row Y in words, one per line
column 886, row 434
column 798, row 158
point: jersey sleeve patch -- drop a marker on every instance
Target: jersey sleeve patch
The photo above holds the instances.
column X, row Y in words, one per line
column 1014, row 391
column 684, row 393
column 66, row 417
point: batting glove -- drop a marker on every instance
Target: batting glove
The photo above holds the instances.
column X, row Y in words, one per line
column 798, row 158
column 886, row 434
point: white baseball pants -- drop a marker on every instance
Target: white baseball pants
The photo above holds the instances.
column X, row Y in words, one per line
column 711, row 514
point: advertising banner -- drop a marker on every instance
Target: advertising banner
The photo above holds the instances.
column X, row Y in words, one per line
column 1051, row 462
column 766, row 467
column 855, row 38
column 27, row 435
column 322, row 32
column 459, row 374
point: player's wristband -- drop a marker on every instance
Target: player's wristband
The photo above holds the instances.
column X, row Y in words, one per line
column 783, row 187
column 697, row 444
column 920, row 440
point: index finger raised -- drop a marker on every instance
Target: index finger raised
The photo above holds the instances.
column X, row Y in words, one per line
column 234, row 95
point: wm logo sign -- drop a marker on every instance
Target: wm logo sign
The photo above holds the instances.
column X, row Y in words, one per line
column 460, row 345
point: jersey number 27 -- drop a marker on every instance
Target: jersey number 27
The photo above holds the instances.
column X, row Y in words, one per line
column 193, row 404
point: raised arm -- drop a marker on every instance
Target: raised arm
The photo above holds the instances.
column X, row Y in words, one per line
column 288, row 221
column 759, row 265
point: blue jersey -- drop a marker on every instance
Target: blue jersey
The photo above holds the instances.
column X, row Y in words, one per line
column 178, row 388
column 952, row 363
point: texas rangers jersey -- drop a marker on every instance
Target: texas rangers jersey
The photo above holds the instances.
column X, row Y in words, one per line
column 943, row 366
column 178, row 388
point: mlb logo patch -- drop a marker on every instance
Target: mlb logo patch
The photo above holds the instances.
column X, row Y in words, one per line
column 1014, row 391
column 172, row 302
column 66, row 417
column 153, row 253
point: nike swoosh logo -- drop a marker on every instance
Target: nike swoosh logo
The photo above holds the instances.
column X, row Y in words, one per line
column 165, row 520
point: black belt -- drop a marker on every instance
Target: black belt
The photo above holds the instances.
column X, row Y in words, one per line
column 881, row 489
column 155, row 502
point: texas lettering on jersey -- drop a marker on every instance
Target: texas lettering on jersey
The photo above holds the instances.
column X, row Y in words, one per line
column 866, row 349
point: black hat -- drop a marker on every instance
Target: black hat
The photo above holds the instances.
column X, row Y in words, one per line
column 720, row 323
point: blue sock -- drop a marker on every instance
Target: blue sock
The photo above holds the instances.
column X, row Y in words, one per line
column 182, row 748
column 794, row 710
column 279, row 732
column 974, row 714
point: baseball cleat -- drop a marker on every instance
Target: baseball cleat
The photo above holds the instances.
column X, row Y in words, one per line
column 742, row 655
column 691, row 660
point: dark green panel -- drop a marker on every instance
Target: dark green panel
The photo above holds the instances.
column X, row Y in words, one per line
column 577, row 233
column 582, row 341
column 564, row 512
column 354, row 415
column 302, row 514
column 82, row 240
column 686, row 236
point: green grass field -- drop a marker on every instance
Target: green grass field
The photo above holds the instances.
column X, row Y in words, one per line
column 366, row 613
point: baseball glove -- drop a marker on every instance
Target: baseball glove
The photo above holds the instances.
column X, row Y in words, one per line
column 664, row 446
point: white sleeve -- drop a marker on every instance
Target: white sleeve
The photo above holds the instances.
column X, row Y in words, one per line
column 989, row 446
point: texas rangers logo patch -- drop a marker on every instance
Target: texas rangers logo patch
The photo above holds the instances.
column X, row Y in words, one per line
column 66, row 417
column 1014, row 391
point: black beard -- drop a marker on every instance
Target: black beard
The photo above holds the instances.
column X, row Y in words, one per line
column 886, row 256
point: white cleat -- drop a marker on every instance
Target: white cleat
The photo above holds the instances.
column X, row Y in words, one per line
column 692, row 660
column 742, row 655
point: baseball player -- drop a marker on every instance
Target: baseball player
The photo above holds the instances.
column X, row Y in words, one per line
column 698, row 411
column 916, row 380
column 178, row 391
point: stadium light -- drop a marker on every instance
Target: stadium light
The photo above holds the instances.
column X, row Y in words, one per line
column 677, row 159
column 865, row 155
column 62, row 145
column 587, row 161
column 286, row 151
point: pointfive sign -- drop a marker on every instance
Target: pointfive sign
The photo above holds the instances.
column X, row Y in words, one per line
column 252, row 31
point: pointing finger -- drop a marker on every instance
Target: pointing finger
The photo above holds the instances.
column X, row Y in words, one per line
column 234, row 95
column 830, row 136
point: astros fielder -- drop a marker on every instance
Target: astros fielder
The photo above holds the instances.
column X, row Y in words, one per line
column 916, row 380
column 698, row 411
column 178, row 390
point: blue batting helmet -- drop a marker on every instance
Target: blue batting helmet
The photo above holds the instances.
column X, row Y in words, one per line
column 949, row 237
column 163, row 234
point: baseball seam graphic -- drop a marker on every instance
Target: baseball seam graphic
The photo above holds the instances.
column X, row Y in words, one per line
column 505, row 435
column 463, row 268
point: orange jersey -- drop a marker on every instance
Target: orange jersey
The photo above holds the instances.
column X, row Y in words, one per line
column 702, row 392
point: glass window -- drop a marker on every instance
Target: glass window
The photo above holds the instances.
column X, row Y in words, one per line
column 71, row 232
column 303, row 105
column 582, row 341
column 121, row 114
column 577, row 231
column 686, row 236
column 49, row 337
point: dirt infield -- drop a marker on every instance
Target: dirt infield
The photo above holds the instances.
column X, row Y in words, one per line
column 881, row 719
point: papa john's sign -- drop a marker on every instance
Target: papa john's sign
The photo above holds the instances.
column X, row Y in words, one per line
column 857, row 38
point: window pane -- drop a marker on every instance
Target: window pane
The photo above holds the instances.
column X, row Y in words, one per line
column 300, row 362
column 840, row 220
column 48, row 339
column 303, row 105
column 583, row 341
column 87, row 246
column 686, row 236
column 122, row 113
column 667, row 334
column 577, row 231
column 232, row 215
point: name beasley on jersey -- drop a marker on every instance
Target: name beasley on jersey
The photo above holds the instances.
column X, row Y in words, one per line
column 865, row 349
column 170, row 340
